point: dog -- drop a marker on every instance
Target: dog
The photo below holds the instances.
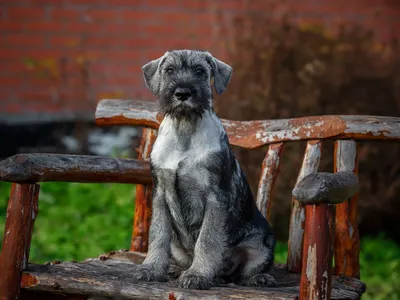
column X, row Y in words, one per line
column 204, row 216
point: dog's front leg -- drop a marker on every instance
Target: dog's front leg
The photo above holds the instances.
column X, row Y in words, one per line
column 210, row 246
column 154, row 267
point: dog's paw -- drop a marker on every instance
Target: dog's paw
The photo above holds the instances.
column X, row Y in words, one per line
column 174, row 271
column 194, row 281
column 260, row 280
column 149, row 273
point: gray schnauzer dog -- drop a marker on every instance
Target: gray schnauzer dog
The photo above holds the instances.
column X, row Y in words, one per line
column 204, row 219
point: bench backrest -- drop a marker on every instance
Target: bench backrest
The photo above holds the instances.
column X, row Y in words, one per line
column 345, row 130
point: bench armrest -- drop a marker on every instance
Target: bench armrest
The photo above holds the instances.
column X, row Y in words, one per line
column 329, row 188
column 40, row 167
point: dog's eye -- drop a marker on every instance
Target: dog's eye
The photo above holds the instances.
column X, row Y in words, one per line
column 199, row 71
column 170, row 71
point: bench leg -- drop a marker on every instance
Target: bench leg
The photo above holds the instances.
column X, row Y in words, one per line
column 316, row 275
column 21, row 214
column 142, row 217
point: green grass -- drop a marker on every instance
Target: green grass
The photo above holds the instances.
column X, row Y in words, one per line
column 77, row 221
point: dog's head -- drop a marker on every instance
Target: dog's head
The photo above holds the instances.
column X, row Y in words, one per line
column 181, row 80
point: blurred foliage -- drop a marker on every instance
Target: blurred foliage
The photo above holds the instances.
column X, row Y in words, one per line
column 77, row 221
column 283, row 69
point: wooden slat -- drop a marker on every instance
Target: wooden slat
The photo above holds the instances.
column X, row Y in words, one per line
column 21, row 214
column 254, row 134
column 143, row 204
column 310, row 165
column 347, row 240
column 269, row 173
column 40, row 167
column 316, row 275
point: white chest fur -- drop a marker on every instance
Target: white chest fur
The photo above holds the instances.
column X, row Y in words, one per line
column 185, row 141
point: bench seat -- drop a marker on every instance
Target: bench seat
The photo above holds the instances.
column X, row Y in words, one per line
column 110, row 275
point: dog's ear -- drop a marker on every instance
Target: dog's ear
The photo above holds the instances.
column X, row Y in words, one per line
column 222, row 74
column 152, row 75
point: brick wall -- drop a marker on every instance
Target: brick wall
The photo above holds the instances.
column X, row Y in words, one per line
column 58, row 57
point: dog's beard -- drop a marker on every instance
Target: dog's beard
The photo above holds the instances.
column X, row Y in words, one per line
column 190, row 110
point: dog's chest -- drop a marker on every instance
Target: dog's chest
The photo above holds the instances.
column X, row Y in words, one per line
column 185, row 147
column 179, row 162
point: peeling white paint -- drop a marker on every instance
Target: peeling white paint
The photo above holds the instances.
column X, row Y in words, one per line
column 373, row 125
column 267, row 178
column 351, row 230
column 311, row 264
column 346, row 155
column 131, row 110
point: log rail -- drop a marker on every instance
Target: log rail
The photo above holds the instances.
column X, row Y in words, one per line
column 324, row 205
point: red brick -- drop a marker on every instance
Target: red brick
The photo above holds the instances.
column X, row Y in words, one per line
column 115, row 79
column 162, row 4
column 127, row 30
column 12, row 108
column 101, row 41
column 177, row 20
column 115, row 3
column 24, row 40
column 120, row 42
column 105, row 15
column 11, row 26
column 134, row 15
column 10, row 54
column 61, row 14
column 101, row 68
column 36, row 96
column 66, row 41
column 10, row 81
column 19, row 14
column 231, row 5
column 13, row 68
column 79, row 2
column 73, row 96
column 84, row 28
column 198, row 4
column 163, row 30
column 44, row 26
column 45, row 2
column 123, row 55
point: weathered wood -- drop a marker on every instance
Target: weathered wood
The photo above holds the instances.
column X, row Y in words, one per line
column 40, row 167
column 316, row 275
column 254, row 134
column 142, row 216
column 110, row 276
column 21, row 214
column 329, row 188
column 31, row 295
column 128, row 112
column 347, row 240
column 269, row 173
column 310, row 165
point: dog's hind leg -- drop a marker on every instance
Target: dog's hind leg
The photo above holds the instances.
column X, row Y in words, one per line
column 256, row 258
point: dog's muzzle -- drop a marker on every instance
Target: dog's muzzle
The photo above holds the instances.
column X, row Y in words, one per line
column 182, row 94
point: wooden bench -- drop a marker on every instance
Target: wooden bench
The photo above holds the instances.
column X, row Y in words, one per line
column 323, row 220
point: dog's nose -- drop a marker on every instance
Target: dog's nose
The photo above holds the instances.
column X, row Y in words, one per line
column 182, row 94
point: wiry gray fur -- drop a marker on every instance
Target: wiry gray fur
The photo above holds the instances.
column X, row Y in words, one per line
column 204, row 215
